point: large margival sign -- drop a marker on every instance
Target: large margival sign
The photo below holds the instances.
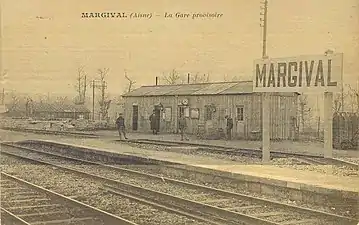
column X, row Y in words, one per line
column 311, row 73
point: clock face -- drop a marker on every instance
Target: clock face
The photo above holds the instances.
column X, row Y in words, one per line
column 185, row 101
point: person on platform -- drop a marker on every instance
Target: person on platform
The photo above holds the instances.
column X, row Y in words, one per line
column 229, row 127
column 120, row 123
column 154, row 123
column 182, row 125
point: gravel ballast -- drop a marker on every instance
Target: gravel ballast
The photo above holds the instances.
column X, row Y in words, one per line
column 89, row 192
column 146, row 182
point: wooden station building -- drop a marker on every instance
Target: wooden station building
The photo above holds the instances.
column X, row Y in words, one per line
column 205, row 106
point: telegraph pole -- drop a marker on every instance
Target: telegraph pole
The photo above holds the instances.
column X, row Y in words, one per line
column 264, row 25
column 93, row 100
column 265, row 96
column 103, row 87
column 3, row 97
column 342, row 86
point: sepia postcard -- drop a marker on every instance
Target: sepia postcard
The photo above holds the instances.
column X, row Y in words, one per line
column 179, row 112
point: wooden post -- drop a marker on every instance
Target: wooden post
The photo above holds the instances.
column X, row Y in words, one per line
column 265, row 127
column 175, row 113
column 93, row 100
column 328, row 125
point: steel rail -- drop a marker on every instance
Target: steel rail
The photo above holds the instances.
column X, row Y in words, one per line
column 217, row 149
column 7, row 215
column 204, row 188
column 215, row 213
column 106, row 217
column 164, row 206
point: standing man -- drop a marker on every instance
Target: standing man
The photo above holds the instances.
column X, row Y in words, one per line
column 120, row 123
column 154, row 122
column 229, row 127
column 182, row 125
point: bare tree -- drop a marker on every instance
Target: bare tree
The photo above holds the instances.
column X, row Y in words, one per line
column 61, row 100
column 3, row 77
column 81, row 86
column 173, row 77
column 29, row 106
column 104, row 101
column 337, row 103
column 41, row 98
column 354, row 93
column 14, row 102
column 197, row 78
column 228, row 78
column 304, row 112
column 130, row 84
column 351, row 101
column 237, row 78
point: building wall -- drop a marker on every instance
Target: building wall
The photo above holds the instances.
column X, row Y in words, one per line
column 283, row 108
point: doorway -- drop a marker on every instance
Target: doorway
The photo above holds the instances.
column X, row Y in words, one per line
column 180, row 113
column 135, row 117
column 158, row 116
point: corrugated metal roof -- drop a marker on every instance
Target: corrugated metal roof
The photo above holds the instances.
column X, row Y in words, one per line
column 220, row 88
column 243, row 87
column 186, row 89
column 162, row 90
column 142, row 91
column 212, row 89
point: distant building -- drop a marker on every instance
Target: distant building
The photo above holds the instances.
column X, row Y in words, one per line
column 48, row 111
column 205, row 106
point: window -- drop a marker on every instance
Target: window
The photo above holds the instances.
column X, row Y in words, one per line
column 209, row 113
column 186, row 112
column 194, row 113
column 240, row 113
column 168, row 114
column 181, row 111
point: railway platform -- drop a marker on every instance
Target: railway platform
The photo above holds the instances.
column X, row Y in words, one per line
column 261, row 174
column 266, row 174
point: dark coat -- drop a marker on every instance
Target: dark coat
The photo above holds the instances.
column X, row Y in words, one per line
column 229, row 123
column 120, row 122
column 182, row 123
column 154, row 121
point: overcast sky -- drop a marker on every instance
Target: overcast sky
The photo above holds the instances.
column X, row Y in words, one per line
column 43, row 54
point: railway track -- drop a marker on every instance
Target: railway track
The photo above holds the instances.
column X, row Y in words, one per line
column 55, row 132
column 216, row 149
column 25, row 203
column 218, row 206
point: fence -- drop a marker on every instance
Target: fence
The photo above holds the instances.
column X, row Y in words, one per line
column 345, row 130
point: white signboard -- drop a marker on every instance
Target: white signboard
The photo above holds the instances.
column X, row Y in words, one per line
column 194, row 113
column 312, row 73
column 168, row 114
